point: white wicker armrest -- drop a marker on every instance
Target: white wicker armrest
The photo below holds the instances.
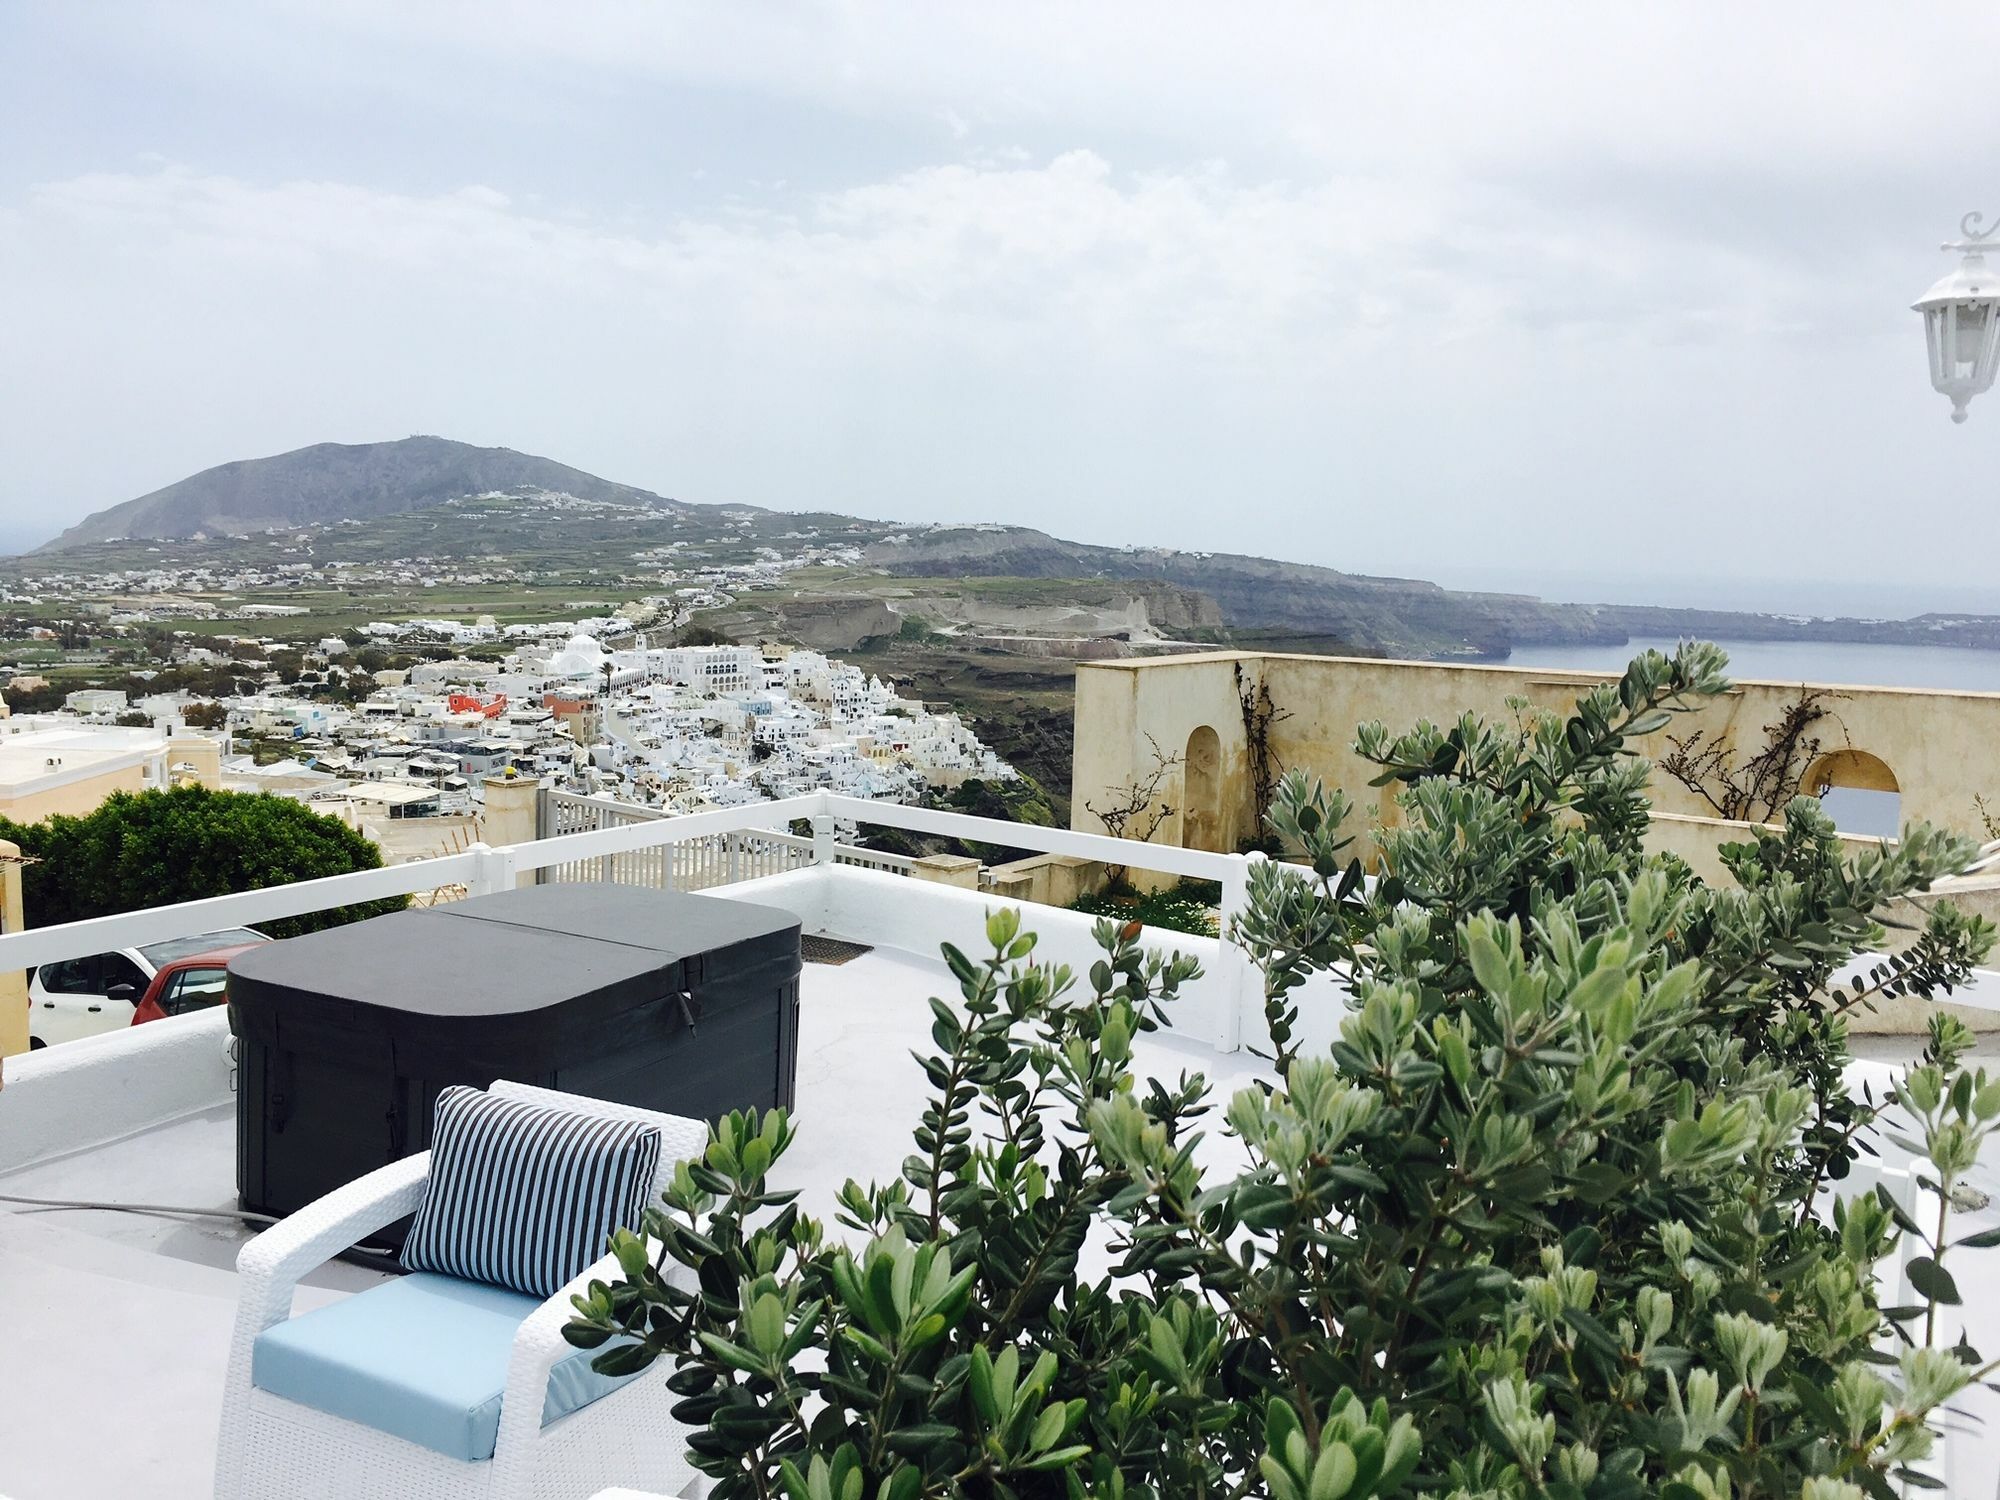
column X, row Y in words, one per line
column 540, row 1346
column 269, row 1267
column 268, row 1271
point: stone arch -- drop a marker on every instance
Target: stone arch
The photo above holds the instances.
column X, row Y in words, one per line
column 1201, row 790
column 1858, row 790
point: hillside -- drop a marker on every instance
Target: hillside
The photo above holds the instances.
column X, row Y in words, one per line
column 339, row 482
column 402, row 495
column 1012, row 588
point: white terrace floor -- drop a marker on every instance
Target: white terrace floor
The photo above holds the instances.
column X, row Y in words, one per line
column 114, row 1328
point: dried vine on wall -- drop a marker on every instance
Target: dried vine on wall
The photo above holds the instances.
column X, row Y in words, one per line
column 1754, row 790
column 1260, row 713
column 1136, row 810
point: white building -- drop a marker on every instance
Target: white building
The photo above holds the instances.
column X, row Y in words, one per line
column 95, row 701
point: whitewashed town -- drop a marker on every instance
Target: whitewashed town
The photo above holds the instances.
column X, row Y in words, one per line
column 395, row 724
column 676, row 728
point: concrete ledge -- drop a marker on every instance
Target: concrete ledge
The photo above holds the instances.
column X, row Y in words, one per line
column 959, row 870
column 103, row 1088
column 1050, row 879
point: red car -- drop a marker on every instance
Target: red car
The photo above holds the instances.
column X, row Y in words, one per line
column 184, row 984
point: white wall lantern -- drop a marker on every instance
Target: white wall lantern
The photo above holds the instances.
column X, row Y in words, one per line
column 1962, row 319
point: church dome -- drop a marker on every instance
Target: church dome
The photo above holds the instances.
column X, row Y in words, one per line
column 582, row 657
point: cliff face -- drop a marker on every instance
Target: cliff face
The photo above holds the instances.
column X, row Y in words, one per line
column 1066, row 607
column 836, row 624
column 1259, row 593
column 1179, row 608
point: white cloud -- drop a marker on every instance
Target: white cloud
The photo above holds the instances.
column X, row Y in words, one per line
column 1386, row 288
column 1792, row 86
column 1068, row 251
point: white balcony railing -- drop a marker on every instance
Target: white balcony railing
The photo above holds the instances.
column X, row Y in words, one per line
column 690, row 852
column 688, row 864
column 721, row 847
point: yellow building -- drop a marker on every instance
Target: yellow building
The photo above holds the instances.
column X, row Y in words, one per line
column 1187, row 727
column 1196, row 715
column 47, row 767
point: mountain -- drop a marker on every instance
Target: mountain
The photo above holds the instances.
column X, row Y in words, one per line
column 419, row 496
column 340, row 482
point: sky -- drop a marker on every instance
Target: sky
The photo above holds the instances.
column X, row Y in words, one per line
column 1597, row 301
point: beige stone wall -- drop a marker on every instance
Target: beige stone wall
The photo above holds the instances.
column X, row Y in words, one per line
column 948, row 869
column 1942, row 748
column 201, row 756
column 510, row 816
column 13, row 986
column 73, row 798
column 1128, row 715
column 1050, row 879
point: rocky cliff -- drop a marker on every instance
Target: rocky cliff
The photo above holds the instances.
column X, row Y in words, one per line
column 1392, row 615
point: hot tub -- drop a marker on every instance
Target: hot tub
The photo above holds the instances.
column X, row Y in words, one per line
column 678, row 1003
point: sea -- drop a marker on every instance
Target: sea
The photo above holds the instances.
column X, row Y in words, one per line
column 1853, row 811
column 1802, row 661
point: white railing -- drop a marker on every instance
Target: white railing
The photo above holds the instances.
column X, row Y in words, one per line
column 714, row 847
column 843, row 854
column 692, row 864
column 43, row 945
column 699, row 850
column 565, row 812
column 873, row 859
column 686, row 863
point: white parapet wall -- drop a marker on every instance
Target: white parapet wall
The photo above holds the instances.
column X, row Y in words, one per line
column 100, row 1089
column 916, row 916
column 886, row 911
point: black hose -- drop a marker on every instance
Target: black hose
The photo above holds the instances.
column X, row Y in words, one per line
column 373, row 1257
column 165, row 1209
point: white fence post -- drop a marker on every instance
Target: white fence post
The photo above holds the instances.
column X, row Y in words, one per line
column 1243, row 989
column 485, row 872
column 822, row 826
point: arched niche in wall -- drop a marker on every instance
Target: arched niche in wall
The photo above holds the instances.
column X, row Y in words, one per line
column 1858, row 791
column 1201, row 791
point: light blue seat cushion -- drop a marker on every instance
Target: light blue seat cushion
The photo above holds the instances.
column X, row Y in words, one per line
column 423, row 1357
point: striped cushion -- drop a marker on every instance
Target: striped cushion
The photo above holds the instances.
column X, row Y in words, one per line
column 525, row 1196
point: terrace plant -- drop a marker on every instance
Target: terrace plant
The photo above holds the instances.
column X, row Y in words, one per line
column 1551, row 1215
column 154, row 848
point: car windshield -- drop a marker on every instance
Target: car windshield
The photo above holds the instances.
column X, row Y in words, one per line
column 157, row 954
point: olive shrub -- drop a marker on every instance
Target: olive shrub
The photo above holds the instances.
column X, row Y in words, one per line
column 1559, row 1212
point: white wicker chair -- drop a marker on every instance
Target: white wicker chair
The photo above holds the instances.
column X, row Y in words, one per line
column 274, row 1449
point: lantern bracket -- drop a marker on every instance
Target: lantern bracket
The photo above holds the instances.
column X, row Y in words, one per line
column 1976, row 239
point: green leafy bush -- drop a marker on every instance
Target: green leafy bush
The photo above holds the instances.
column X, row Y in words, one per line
column 140, row 849
column 1184, row 907
column 1548, row 1218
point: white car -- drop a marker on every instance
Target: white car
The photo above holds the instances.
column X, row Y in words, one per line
column 83, row 996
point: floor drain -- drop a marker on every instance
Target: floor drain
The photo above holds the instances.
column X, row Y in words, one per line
column 826, row 950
